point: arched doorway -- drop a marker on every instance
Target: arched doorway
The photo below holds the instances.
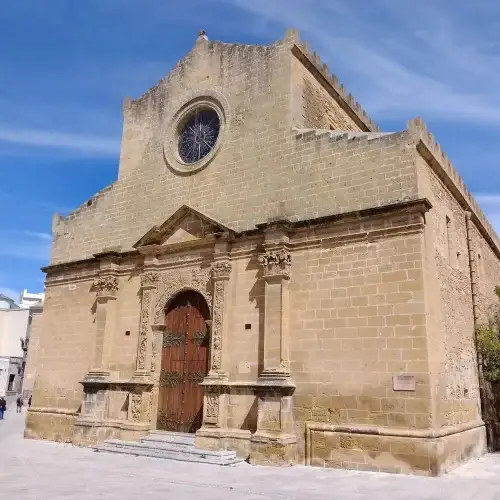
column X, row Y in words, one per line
column 184, row 363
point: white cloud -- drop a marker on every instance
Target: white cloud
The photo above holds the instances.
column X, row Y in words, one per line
column 40, row 236
column 25, row 244
column 88, row 144
column 441, row 60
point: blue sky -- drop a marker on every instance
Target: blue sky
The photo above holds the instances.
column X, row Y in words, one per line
column 66, row 67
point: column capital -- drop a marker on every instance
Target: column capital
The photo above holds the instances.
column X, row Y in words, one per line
column 221, row 270
column 106, row 286
column 150, row 280
column 276, row 263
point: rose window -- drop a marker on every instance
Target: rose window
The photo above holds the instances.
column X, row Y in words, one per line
column 198, row 135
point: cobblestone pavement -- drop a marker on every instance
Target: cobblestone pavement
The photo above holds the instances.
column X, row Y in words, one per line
column 39, row 470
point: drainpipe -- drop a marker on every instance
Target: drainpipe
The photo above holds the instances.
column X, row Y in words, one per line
column 475, row 312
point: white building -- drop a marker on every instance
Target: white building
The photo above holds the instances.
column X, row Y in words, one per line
column 13, row 327
column 27, row 299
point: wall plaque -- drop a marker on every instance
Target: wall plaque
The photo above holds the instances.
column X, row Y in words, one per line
column 403, row 382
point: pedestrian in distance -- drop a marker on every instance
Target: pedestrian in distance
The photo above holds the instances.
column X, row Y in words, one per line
column 19, row 404
column 29, row 402
column 3, row 407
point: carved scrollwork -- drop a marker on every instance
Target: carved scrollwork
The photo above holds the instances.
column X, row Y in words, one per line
column 168, row 421
column 217, row 324
column 221, row 270
column 170, row 379
column 212, row 402
column 107, row 285
column 276, row 263
column 173, row 339
column 199, row 338
column 150, row 279
column 135, row 406
column 195, row 378
column 154, row 353
column 174, row 282
column 144, row 329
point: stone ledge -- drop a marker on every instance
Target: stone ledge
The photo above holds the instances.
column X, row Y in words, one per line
column 53, row 411
column 428, row 452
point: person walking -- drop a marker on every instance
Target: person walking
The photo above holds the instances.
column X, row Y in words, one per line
column 29, row 402
column 3, row 407
column 19, row 404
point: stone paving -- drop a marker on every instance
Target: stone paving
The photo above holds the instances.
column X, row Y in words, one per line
column 39, row 470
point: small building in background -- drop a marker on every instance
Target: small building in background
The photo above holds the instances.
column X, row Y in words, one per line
column 32, row 340
column 13, row 328
column 18, row 321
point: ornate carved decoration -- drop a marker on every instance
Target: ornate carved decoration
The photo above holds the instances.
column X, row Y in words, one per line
column 173, row 339
column 144, row 329
column 167, row 421
column 200, row 337
column 150, row 279
column 170, row 379
column 276, row 263
column 135, row 406
column 221, row 270
column 195, row 378
column 174, row 282
column 217, row 324
column 106, row 286
column 154, row 352
column 212, row 411
column 152, row 397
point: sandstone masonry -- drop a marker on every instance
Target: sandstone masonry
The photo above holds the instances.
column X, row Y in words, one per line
column 344, row 269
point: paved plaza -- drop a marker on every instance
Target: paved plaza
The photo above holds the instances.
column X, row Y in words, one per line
column 39, row 470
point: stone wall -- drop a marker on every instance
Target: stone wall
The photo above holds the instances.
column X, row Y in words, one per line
column 65, row 350
column 449, row 290
column 260, row 156
column 316, row 107
column 33, row 357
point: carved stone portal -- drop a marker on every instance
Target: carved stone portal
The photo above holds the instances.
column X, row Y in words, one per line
column 172, row 283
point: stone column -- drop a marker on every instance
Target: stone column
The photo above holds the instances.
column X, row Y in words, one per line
column 140, row 398
column 276, row 273
column 221, row 272
column 275, row 441
column 149, row 282
column 156, row 354
column 106, row 288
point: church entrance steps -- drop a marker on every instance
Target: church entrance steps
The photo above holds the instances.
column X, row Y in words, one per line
column 169, row 446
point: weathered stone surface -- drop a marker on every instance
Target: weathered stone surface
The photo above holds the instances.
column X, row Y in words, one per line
column 333, row 258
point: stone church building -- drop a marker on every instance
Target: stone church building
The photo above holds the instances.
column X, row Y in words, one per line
column 271, row 273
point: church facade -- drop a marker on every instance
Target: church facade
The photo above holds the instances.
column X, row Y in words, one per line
column 272, row 273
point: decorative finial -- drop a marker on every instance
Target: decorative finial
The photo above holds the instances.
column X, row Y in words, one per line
column 202, row 35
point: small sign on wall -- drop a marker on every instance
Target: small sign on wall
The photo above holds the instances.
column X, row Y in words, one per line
column 403, row 382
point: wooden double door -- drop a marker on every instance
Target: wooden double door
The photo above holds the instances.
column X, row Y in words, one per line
column 184, row 364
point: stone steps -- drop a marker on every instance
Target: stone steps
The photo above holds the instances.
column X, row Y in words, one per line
column 169, row 446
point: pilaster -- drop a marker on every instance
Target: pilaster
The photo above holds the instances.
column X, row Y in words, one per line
column 220, row 275
column 106, row 289
column 276, row 262
column 149, row 283
column 275, row 441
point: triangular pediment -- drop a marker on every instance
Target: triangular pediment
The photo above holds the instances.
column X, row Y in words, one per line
column 185, row 225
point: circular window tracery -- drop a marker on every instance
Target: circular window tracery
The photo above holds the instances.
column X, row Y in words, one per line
column 196, row 132
column 198, row 135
